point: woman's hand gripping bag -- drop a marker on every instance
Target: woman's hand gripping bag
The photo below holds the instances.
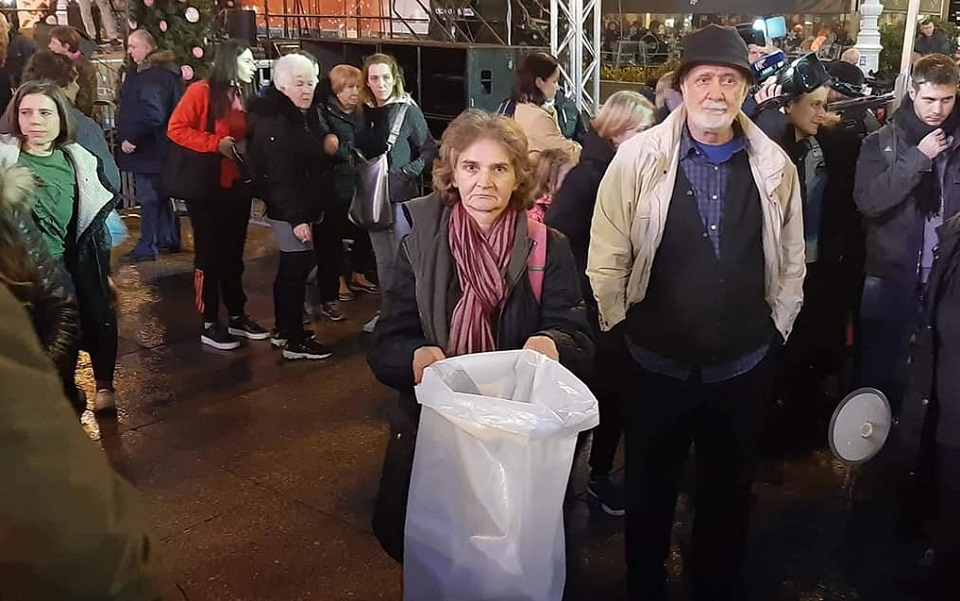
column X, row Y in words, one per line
column 493, row 456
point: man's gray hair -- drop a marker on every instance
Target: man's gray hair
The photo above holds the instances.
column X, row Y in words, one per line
column 851, row 55
column 144, row 36
column 290, row 65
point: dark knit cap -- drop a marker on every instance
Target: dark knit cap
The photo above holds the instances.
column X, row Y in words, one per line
column 714, row 45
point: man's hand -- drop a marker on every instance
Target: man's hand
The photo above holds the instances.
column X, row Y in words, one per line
column 768, row 91
column 225, row 146
column 543, row 345
column 127, row 147
column 424, row 357
column 933, row 143
column 331, row 143
column 303, row 233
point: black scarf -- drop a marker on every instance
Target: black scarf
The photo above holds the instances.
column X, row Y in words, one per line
column 927, row 192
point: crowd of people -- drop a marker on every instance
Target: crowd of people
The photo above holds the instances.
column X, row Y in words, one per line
column 692, row 257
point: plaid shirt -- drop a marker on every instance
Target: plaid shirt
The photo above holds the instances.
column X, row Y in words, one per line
column 708, row 182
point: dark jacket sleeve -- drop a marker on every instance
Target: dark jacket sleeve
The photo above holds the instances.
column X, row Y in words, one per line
column 71, row 528
column 563, row 315
column 152, row 98
column 880, row 186
column 270, row 141
column 54, row 308
column 399, row 333
column 423, row 146
column 773, row 123
column 344, row 147
column 571, row 213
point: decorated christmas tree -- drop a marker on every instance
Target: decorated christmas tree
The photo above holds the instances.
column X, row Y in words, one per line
column 184, row 26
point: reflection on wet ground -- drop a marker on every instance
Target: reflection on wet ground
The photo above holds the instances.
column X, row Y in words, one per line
column 259, row 474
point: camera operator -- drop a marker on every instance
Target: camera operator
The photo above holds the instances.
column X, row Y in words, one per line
column 848, row 83
column 904, row 190
column 806, row 132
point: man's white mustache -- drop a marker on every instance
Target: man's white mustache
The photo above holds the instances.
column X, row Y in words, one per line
column 710, row 106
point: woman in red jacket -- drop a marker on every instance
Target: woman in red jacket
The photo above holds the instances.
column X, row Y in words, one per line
column 220, row 223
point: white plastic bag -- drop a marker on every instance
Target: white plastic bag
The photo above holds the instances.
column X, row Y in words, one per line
column 494, row 452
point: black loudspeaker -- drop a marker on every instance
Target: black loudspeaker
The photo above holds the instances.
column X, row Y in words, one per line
column 242, row 25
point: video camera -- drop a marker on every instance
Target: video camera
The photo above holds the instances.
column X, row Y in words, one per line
column 801, row 76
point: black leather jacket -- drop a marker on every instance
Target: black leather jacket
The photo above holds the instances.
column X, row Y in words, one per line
column 50, row 300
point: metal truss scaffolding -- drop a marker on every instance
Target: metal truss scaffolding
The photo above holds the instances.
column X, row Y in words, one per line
column 575, row 28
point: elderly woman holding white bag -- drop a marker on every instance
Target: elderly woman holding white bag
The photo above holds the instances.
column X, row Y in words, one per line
column 474, row 275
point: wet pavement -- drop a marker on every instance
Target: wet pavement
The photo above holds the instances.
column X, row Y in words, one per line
column 259, row 474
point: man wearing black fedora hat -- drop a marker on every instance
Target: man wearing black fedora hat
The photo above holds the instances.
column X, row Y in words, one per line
column 697, row 258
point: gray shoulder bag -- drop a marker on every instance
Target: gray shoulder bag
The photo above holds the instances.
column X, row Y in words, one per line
column 370, row 208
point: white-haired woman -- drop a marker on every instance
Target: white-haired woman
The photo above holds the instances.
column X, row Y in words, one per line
column 286, row 143
column 624, row 114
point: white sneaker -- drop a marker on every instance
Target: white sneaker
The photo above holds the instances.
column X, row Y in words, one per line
column 370, row 325
column 106, row 400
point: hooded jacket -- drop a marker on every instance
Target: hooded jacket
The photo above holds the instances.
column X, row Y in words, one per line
column 631, row 214
column 88, row 244
column 285, row 144
column 52, row 307
column 149, row 94
column 573, row 204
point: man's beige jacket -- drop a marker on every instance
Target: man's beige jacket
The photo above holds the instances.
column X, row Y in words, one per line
column 631, row 213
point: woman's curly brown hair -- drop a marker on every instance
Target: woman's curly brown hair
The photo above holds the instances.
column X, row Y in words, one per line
column 471, row 126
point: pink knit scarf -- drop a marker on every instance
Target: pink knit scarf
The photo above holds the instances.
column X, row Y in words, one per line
column 481, row 261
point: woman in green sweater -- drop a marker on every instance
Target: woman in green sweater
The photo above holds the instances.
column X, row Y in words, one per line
column 70, row 209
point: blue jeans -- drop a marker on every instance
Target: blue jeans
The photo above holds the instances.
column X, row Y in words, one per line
column 888, row 316
column 159, row 224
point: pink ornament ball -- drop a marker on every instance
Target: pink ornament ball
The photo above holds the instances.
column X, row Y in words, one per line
column 187, row 72
column 163, row 25
column 197, row 52
column 132, row 24
column 148, row 3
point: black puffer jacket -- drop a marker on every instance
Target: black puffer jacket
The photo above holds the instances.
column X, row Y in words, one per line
column 52, row 307
column 344, row 126
column 572, row 209
column 425, row 290
column 285, row 144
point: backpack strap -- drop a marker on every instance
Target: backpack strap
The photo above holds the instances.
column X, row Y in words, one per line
column 537, row 259
column 507, row 108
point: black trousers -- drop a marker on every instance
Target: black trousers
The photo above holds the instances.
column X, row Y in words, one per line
column 815, row 348
column 289, row 292
column 724, row 421
column 610, row 360
column 360, row 259
column 946, row 561
column 328, row 246
column 219, row 236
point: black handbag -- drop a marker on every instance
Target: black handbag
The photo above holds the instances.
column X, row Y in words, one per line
column 190, row 175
